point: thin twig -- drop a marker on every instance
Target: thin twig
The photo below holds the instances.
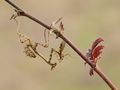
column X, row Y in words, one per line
column 98, row 71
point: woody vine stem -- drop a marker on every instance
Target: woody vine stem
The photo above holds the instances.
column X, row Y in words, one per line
column 55, row 31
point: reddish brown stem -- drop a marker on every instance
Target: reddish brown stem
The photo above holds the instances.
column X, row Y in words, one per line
column 100, row 73
column 105, row 78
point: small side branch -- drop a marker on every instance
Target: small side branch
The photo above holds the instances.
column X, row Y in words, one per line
column 100, row 73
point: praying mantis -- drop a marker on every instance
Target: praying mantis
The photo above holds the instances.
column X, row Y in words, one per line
column 30, row 47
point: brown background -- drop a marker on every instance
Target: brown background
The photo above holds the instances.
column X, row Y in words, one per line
column 84, row 21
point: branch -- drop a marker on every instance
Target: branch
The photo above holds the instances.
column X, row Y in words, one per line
column 92, row 65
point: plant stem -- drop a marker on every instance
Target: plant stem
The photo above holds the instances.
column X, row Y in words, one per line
column 105, row 78
column 98, row 71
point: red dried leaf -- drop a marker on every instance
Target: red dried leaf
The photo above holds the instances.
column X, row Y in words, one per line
column 96, row 42
column 96, row 52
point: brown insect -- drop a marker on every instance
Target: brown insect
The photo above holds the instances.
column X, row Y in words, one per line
column 30, row 47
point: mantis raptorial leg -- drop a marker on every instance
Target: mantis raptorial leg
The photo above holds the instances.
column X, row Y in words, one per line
column 62, row 45
column 59, row 52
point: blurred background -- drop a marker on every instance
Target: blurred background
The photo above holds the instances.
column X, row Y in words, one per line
column 84, row 21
